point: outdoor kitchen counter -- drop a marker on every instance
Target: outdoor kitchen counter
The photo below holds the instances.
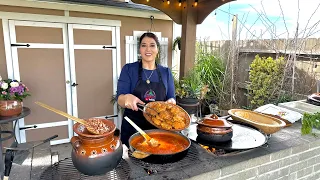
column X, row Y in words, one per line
column 287, row 155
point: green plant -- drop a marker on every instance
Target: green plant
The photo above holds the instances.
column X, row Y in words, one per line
column 265, row 80
column 13, row 90
column 176, row 42
column 211, row 71
column 310, row 121
column 191, row 86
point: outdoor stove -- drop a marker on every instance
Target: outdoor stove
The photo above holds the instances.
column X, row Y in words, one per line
column 65, row 170
column 191, row 158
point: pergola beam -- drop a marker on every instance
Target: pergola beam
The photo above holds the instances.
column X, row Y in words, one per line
column 188, row 16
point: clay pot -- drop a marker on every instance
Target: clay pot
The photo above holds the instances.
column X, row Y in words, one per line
column 10, row 108
column 95, row 154
column 213, row 129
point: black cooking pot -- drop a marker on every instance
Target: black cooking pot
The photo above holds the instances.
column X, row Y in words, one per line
column 215, row 130
column 214, row 135
column 159, row 158
column 314, row 99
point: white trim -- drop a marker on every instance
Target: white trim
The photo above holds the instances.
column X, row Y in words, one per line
column 57, row 19
column 98, row 47
column 46, row 125
column 118, row 51
column 72, row 71
column 23, row 136
column 60, row 141
column 114, row 73
column 38, row 24
column 40, row 46
column 67, row 78
column 66, row 13
column 7, row 47
column 119, row 118
column 14, row 51
column 87, row 8
column 90, row 27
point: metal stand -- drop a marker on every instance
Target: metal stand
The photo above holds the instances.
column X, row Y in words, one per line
column 10, row 134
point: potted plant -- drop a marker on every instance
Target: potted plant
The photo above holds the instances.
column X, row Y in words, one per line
column 177, row 42
column 189, row 91
column 12, row 93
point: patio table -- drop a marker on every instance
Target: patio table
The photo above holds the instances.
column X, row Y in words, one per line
column 9, row 134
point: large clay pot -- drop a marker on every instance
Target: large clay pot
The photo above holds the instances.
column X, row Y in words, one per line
column 10, row 108
column 96, row 154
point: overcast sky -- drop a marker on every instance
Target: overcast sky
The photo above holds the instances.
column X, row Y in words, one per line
column 263, row 19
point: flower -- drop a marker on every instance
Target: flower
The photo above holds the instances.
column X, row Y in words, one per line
column 14, row 84
column 13, row 90
column 4, row 86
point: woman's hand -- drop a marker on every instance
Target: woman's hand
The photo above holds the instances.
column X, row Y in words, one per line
column 171, row 100
column 130, row 102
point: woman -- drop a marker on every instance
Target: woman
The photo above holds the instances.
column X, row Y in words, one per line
column 142, row 82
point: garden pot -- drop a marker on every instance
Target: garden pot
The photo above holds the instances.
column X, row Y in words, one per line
column 93, row 155
column 188, row 104
column 10, row 108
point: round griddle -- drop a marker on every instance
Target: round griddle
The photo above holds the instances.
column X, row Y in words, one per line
column 244, row 137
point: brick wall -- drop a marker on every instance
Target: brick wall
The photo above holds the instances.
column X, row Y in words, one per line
column 300, row 162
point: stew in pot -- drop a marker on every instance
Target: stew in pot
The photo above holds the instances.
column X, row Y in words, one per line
column 169, row 144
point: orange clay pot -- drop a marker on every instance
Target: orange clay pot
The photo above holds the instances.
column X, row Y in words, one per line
column 95, row 154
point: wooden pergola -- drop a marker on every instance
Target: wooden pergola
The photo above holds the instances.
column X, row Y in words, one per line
column 188, row 13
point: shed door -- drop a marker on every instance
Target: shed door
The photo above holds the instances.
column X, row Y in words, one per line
column 93, row 62
column 40, row 60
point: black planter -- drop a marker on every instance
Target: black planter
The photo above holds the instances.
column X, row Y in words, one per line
column 188, row 104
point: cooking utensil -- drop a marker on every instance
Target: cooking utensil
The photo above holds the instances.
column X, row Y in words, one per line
column 144, row 109
column 152, row 142
column 160, row 158
column 265, row 123
column 243, row 138
column 90, row 127
column 178, row 113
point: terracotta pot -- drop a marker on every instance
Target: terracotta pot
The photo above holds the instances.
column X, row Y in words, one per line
column 95, row 154
column 214, row 135
column 10, row 108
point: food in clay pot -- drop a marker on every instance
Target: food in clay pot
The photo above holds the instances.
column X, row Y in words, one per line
column 215, row 130
column 96, row 154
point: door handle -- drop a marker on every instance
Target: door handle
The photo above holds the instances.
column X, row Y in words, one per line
column 74, row 84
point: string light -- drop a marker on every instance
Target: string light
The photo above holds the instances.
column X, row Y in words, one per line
column 179, row 2
column 168, row 2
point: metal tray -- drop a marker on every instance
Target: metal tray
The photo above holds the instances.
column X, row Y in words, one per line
column 244, row 137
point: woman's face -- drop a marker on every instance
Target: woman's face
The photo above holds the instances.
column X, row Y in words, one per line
column 148, row 49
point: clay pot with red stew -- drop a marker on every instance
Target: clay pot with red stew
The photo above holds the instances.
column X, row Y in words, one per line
column 173, row 146
column 96, row 154
column 214, row 130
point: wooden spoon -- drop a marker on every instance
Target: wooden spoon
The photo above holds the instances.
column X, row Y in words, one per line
column 152, row 142
column 91, row 128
